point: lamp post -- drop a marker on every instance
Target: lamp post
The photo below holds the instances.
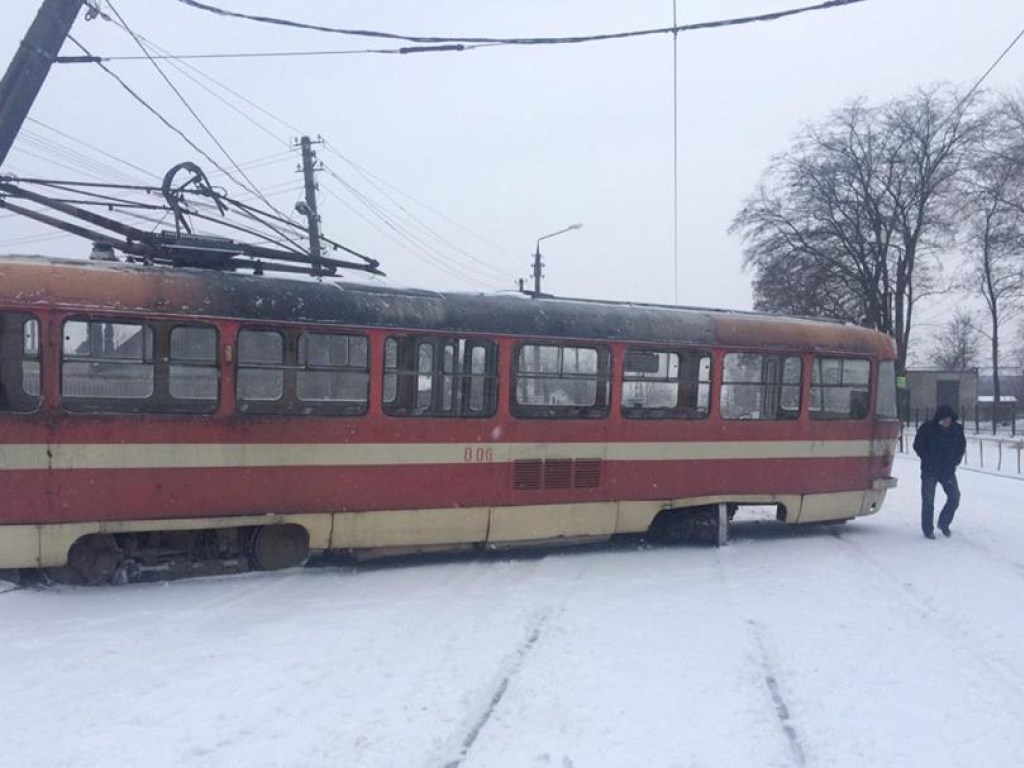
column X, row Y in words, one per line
column 536, row 256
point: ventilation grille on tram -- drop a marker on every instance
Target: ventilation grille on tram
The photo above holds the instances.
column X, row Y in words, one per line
column 535, row 474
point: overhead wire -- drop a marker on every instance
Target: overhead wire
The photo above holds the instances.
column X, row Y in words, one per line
column 292, row 245
column 415, row 223
column 375, row 180
column 20, row 149
column 574, row 39
column 186, row 69
column 994, row 64
column 252, row 187
column 93, row 147
column 369, row 176
column 74, row 157
column 395, row 232
column 303, row 54
column 258, row 217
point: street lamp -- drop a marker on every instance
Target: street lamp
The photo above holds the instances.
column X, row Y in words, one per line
column 536, row 256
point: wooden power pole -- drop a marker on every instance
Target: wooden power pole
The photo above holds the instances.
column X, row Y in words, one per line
column 30, row 65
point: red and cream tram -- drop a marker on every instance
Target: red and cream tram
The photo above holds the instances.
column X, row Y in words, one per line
column 151, row 415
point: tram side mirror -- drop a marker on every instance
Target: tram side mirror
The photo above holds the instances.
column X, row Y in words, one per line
column 642, row 362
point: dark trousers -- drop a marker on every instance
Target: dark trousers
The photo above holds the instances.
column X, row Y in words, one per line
column 952, row 491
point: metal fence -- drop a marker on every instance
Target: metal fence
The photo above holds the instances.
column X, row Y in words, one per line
column 1001, row 453
column 978, row 420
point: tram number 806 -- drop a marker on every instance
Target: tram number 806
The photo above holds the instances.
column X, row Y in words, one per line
column 478, row 454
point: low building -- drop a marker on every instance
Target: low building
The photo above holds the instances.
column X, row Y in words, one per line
column 930, row 388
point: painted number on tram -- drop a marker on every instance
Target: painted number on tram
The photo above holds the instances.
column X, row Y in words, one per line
column 477, row 454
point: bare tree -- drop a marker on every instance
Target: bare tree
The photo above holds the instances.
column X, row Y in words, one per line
column 855, row 207
column 993, row 231
column 956, row 346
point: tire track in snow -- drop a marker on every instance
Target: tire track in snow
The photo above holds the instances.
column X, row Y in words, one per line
column 1001, row 670
column 758, row 635
column 517, row 659
column 512, row 667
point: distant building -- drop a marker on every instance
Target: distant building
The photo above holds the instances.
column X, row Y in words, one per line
column 930, row 388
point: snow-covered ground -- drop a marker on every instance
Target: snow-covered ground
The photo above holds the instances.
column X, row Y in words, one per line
column 857, row 645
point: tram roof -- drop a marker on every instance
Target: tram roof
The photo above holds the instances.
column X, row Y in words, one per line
column 95, row 287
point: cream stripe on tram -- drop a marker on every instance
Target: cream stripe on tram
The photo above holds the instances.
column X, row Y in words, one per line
column 237, row 455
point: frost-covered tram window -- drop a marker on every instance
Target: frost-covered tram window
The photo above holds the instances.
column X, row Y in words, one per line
column 260, row 367
column 666, row 385
column 106, row 365
column 760, row 387
column 840, row 388
column 333, row 372
column 193, row 373
column 552, row 382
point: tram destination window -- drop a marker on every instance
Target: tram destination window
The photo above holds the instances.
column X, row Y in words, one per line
column 440, row 376
column 666, row 385
column 107, row 365
column 760, row 387
column 560, row 382
column 19, row 363
column 840, row 388
column 300, row 372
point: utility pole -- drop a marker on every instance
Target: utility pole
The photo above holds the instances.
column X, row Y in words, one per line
column 537, row 266
column 308, row 208
column 30, row 65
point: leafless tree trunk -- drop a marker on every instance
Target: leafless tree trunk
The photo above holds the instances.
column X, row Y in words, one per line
column 992, row 197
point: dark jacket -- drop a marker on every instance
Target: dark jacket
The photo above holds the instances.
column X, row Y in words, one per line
column 941, row 450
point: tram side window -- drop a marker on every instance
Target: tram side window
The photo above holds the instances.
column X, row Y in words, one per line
column 193, row 373
column 559, row 382
column 840, row 388
column 19, row 362
column 302, row 372
column 333, row 369
column 106, row 364
column 431, row 376
column 260, row 367
column 666, row 385
column 760, row 387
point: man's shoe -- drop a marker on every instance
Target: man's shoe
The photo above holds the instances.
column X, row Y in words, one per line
column 945, row 531
column 929, row 535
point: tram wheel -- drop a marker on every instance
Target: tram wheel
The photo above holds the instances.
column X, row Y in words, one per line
column 92, row 560
column 280, row 546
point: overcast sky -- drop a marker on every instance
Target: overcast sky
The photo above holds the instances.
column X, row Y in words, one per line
column 487, row 150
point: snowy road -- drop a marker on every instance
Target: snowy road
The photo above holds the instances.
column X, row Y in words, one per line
column 858, row 645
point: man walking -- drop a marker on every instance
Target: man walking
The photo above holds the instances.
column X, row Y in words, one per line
column 941, row 445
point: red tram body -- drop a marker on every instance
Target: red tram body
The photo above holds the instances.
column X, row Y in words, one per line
column 149, row 410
